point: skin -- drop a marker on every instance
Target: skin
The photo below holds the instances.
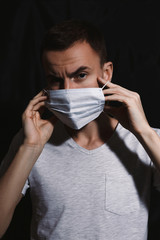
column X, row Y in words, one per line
column 64, row 70
column 79, row 67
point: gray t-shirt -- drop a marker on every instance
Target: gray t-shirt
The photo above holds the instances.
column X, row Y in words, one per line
column 97, row 194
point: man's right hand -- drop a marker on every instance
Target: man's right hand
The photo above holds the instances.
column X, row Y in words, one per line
column 37, row 130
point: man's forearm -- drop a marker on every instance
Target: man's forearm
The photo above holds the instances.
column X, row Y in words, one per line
column 151, row 143
column 13, row 181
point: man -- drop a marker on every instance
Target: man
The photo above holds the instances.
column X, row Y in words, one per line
column 89, row 173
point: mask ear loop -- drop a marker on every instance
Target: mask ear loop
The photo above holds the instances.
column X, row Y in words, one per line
column 105, row 85
column 45, row 93
column 103, row 88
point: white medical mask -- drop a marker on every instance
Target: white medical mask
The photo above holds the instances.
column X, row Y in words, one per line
column 76, row 107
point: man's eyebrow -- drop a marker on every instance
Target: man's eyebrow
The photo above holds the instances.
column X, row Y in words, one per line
column 72, row 74
column 77, row 71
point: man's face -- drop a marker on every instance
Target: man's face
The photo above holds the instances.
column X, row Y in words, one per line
column 77, row 67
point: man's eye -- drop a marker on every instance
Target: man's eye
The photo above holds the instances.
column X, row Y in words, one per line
column 82, row 76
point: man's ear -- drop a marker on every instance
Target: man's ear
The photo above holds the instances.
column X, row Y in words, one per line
column 107, row 71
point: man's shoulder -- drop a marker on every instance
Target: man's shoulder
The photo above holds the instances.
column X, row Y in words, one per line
column 123, row 132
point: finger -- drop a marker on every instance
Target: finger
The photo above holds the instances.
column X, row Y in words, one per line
column 109, row 84
column 118, row 101
column 113, row 112
column 35, row 101
column 120, row 98
column 41, row 93
column 35, row 118
column 38, row 106
column 116, row 89
column 33, row 106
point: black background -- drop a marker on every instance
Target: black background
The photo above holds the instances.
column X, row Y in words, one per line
column 131, row 30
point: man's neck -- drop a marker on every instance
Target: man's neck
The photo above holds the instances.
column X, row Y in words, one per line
column 95, row 133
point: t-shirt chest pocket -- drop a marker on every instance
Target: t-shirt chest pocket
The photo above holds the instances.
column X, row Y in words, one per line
column 121, row 196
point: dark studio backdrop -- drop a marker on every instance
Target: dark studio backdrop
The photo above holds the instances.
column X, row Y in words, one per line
column 131, row 30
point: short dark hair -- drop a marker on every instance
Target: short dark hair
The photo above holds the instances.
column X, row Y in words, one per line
column 63, row 35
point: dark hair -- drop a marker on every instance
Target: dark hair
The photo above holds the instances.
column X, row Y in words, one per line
column 63, row 35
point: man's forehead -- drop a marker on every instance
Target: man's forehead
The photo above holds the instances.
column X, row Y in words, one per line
column 77, row 52
column 68, row 66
